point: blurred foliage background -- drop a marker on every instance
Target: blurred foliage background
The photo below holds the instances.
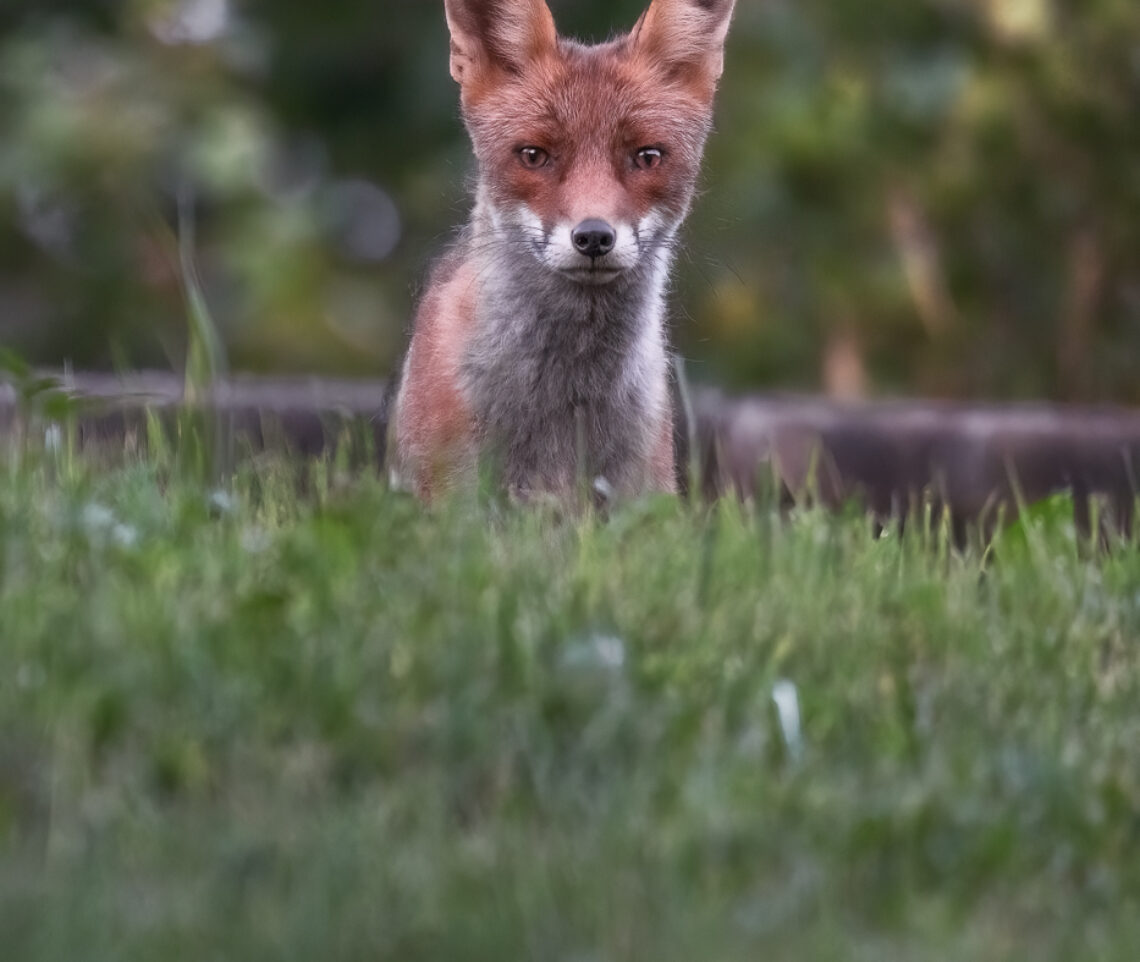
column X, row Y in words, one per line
column 925, row 196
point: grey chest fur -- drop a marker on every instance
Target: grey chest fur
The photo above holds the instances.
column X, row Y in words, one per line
column 560, row 378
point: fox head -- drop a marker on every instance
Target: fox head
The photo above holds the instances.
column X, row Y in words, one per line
column 588, row 155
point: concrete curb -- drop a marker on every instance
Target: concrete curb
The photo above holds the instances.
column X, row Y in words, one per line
column 975, row 460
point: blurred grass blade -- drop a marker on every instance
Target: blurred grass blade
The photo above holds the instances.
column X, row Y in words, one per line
column 205, row 358
column 205, row 355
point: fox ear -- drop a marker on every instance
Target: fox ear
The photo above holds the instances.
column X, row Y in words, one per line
column 497, row 33
column 687, row 36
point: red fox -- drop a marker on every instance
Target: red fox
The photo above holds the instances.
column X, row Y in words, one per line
column 540, row 340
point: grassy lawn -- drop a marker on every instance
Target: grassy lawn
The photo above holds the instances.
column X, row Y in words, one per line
column 258, row 725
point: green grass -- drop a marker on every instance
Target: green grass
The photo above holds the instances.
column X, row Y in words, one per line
column 257, row 725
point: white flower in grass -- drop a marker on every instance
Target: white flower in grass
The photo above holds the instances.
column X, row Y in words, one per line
column 605, row 652
column 97, row 518
column 101, row 525
column 192, row 22
column 222, row 503
column 125, row 535
column 255, row 540
column 787, row 701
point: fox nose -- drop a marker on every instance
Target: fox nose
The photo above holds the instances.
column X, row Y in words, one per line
column 593, row 237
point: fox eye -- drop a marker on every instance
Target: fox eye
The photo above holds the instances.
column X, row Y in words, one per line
column 533, row 157
column 648, row 157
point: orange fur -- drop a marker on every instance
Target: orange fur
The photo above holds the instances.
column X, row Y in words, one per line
column 434, row 426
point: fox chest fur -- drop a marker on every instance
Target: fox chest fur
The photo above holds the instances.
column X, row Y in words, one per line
column 566, row 383
column 540, row 343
